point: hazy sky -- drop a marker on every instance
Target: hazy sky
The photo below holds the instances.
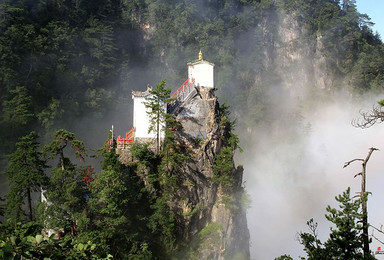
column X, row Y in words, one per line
column 374, row 9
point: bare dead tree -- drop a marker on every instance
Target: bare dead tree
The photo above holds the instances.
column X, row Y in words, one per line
column 376, row 115
column 363, row 197
column 380, row 230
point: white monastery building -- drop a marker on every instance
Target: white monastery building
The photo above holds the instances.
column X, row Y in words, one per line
column 141, row 120
column 200, row 74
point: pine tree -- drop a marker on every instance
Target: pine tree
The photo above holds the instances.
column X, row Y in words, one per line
column 25, row 173
column 65, row 192
column 60, row 142
column 17, row 109
column 118, row 207
column 345, row 240
column 156, row 105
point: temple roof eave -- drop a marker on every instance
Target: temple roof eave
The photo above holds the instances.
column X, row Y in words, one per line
column 200, row 61
column 139, row 94
column 142, row 93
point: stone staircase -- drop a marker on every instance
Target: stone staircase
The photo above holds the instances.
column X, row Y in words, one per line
column 182, row 95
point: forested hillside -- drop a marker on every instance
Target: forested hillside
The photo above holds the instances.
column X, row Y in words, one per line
column 76, row 61
column 71, row 64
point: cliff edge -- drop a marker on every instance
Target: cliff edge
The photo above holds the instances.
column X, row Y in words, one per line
column 211, row 202
column 197, row 177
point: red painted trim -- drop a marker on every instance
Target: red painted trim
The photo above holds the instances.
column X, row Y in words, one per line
column 180, row 89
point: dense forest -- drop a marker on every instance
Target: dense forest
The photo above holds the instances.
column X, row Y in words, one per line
column 74, row 61
column 71, row 64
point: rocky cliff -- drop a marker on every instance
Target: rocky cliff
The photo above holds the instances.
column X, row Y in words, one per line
column 211, row 213
column 293, row 54
column 206, row 197
column 310, row 48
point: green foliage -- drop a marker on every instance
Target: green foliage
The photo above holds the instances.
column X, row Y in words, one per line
column 156, row 105
column 223, row 167
column 2, row 207
column 66, row 189
column 17, row 110
column 345, row 240
column 61, row 61
column 25, row 174
column 27, row 242
column 111, row 196
column 141, row 152
column 208, row 238
column 230, row 203
column 110, row 159
column 173, row 156
column 197, row 208
column 284, row 257
column 68, row 60
column 50, row 115
column 231, row 140
column 211, row 229
column 140, row 251
column 109, row 214
column 313, row 247
column 104, row 220
column 125, row 218
column 61, row 140
column 162, row 223
column 351, row 49
column 66, row 196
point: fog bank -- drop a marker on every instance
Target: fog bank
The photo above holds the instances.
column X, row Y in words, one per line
column 292, row 181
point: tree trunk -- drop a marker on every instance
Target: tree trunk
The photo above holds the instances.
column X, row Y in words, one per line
column 364, row 198
column 62, row 159
column 158, row 130
column 29, row 203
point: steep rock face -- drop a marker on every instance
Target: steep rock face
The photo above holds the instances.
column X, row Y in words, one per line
column 297, row 58
column 323, row 79
column 211, row 217
column 292, row 55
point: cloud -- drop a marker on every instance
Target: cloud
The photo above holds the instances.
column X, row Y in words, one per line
column 293, row 179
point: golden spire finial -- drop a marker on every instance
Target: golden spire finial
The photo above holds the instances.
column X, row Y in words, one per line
column 200, row 55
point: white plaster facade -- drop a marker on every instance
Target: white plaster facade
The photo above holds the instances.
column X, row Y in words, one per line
column 141, row 120
column 201, row 73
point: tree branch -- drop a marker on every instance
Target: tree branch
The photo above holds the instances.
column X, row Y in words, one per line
column 363, row 196
column 376, row 115
column 346, row 164
column 378, row 229
column 371, row 150
column 360, row 173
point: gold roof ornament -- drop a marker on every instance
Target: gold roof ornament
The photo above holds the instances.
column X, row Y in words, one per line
column 200, row 55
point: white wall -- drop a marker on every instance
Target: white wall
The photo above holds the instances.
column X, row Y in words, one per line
column 202, row 73
column 141, row 120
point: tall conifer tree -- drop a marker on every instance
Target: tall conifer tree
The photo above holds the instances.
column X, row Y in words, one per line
column 25, row 173
column 156, row 109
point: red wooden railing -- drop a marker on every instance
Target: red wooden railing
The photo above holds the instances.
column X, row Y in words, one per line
column 181, row 94
column 181, row 89
column 129, row 139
